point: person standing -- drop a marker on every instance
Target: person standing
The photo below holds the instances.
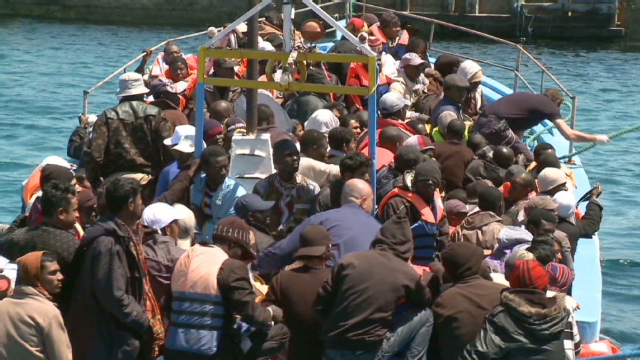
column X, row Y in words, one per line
column 454, row 156
column 111, row 312
column 32, row 327
column 294, row 291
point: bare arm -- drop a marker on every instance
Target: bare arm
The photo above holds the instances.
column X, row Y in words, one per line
column 573, row 135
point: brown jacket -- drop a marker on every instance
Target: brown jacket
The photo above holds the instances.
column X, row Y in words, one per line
column 481, row 228
column 32, row 328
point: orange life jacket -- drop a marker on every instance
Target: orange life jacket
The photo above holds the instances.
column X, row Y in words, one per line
column 377, row 32
column 425, row 210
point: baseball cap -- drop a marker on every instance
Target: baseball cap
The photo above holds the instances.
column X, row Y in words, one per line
column 179, row 133
column 455, row 81
column 411, row 59
column 392, row 102
column 314, row 241
column 249, row 203
column 235, row 125
column 420, row 141
column 540, row 202
column 455, row 206
column 159, row 215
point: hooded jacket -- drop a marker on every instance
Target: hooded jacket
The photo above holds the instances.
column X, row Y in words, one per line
column 526, row 325
column 482, row 229
column 460, row 310
column 365, row 288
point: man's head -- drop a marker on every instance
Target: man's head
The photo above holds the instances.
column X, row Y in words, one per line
column 392, row 138
column 412, row 65
column 297, row 129
column 503, row 156
column 186, row 226
column 541, row 222
column 555, row 95
column 539, row 202
column 418, row 46
column 456, row 211
column 390, row 25
column 233, row 236
column 162, row 218
column 213, row 132
column 521, row 186
column 456, row 129
column 214, row 163
column 457, row 194
column 40, row 269
column 171, row 51
column 350, row 122
column 529, row 274
column 423, row 143
column 123, row 199
column 407, row 158
column 314, row 145
column 491, row 199
column 393, row 106
column 362, row 117
column 419, row 127
column 541, row 149
column 60, row 204
column 552, row 181
column 359, row 192
column 286, row 159
column 342, row 139
column 456, row 87
column 266, row 116
column 337, row 108
column 182, row 143
column 427, row 179
column 225, row 68
column 355, row 166
column 476, row 142
column 543, row 248
column 221, row 110
column 548, row 160
column 253, row 210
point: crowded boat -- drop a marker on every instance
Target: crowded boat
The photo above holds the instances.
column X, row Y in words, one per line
column 437, row 232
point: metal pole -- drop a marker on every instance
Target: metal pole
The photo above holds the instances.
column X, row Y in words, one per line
column 85, row 104
column 252, row 73
column 372, row 106
column 348, row 9
column 431, row 32
column 574, row 112
column 515, row 81
column 199, row 116
column 287, row 26
column 542, row 82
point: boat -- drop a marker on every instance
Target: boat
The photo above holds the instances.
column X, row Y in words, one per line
column 587, row 287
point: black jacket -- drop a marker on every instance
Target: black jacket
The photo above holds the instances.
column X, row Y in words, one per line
column 526, row 325
column 583, row 228
column 105, row 308
column 359, row 299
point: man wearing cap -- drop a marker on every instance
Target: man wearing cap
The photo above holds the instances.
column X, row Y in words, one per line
column 295, row 292
column 232, row 126
column 410, row 82
column 255, row 213
column 351, row 226
column 211, row 283
column 450, row 106
column 161, row 251
column 182, row 145
column 214, row 193
column 419, row 198
column 521, row 188
column 224, row 69
column 128, row 137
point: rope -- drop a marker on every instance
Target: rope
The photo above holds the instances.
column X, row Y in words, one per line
column 611, row 136
column 627, row 355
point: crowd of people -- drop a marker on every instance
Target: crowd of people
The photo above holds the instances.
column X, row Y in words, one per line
column 139, row 250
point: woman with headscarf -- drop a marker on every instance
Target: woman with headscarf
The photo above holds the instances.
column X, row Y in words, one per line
column 569, row 224
column 474, row 102
column 32, row 327
column 322, row 120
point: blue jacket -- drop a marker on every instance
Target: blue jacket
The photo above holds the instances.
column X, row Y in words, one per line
column 222, row 201
column 352, row 229
column 446, row 104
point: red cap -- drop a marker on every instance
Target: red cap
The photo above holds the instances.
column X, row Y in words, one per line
column 529, row 274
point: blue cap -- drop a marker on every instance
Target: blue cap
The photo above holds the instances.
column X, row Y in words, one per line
column 249, row 203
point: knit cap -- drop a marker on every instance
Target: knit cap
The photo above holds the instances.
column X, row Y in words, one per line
column 559, row 277
column 529, row 274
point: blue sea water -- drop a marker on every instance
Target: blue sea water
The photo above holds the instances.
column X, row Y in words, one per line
column 45, row 66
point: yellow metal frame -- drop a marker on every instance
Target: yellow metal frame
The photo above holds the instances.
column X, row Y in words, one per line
column 283, row 56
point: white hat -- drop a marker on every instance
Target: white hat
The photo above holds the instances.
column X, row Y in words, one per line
column 160, row 215
column 550, row 178
column 183, row 139
column 242, row 27
column 131, row 83
column 392, row 102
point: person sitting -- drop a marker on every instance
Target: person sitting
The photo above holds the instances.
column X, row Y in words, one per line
column 294, row 194
column 460, row 310
column 394, row 39
column 475, row 101
column 212, row 280
column 171, row 51
column 342, row 141
column 213, row 133
column 406, row 159
column 560, row 278
column 450, row 107
column 360, row 302
column 267, row 123
column 355, row 165
column 551, row 181
column 294, row 291
column 419, row 127
column 482, row 228
column 520, row 189
column 255, row 213
column 55, row 234
column 454, row 156
column 456, row 212
column 568, row 222
column 182, row 145
column 178, row 79
column 490, row 164
column 221, row 110
column 410, row 82
column 128, row 137
column 32, row 327
column 527, row 322
column 420, row 47
column 419, row 198
column 313, row 157
column 352, row 228
column 48, row 173
column 214, row 192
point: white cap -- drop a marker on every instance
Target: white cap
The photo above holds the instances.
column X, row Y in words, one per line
column 131, row 83
column 183, row 138
column 411, row 59
column 159, row 215
column 392, row 102
column 550, row 178
column 242, row 27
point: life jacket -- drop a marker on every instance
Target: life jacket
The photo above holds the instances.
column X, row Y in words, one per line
column 358, row 75
column 438, row 137
column 197, row 308
column 399, row 49
column 425, row 231
column 599, row 348
column 160, row 67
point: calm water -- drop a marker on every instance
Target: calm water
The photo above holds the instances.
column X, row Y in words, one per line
column 45, row 67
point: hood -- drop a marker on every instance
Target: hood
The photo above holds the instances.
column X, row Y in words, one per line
column 480, row 219
column 512, row 236
column 395, row 236
column 538, row 316
column 462, row 260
